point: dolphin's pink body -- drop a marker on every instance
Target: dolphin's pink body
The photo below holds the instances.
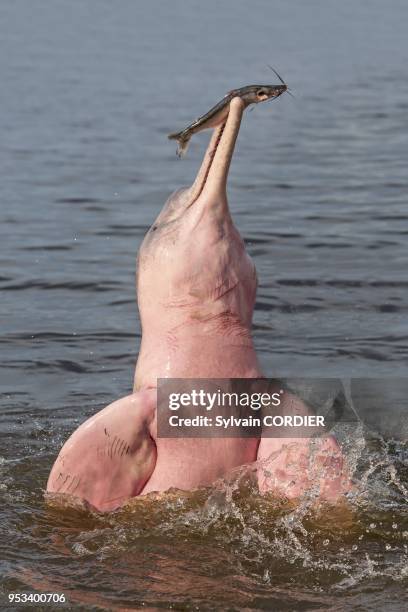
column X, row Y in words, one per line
column 196, row 292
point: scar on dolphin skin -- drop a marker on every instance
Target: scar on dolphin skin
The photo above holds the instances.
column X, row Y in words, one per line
column 118, row 446
column 62, row 485
column 119, row 450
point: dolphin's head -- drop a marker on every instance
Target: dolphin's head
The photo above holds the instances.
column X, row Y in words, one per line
column 192, row 265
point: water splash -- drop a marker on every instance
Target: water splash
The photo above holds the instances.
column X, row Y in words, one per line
column 228, row 542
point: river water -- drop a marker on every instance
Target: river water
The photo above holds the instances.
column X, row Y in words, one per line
column 318, row 189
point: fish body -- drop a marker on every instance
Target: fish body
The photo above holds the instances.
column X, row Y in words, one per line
column 250, row 94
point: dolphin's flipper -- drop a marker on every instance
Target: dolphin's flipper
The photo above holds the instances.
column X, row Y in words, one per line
column 111, row 456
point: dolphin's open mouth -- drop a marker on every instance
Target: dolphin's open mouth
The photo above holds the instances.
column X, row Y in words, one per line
column 213, row 173
column 208, row 161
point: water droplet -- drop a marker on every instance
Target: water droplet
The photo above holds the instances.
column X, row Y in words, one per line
column 373, row 525
column 394, row 525
column 388, row 547
column 325, row 542
column 354, row 547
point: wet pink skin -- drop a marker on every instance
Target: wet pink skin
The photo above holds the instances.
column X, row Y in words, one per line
column 196, row 289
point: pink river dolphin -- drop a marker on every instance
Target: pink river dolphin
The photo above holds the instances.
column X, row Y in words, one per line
column 196, row 289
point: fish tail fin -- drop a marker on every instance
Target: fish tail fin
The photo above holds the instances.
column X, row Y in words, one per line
column 183, row 141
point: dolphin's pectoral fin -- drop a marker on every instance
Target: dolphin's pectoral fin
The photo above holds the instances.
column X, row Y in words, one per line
column 110, row 457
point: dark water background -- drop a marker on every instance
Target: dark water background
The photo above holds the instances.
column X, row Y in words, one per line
column 318, row 189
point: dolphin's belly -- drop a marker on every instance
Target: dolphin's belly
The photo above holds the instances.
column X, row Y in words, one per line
column 190, row 463
column 110, row 457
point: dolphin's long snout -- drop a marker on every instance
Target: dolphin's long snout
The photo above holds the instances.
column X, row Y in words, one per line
column 211, row 180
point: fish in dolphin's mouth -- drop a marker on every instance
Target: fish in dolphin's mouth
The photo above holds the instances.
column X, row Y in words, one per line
column 250, row 94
